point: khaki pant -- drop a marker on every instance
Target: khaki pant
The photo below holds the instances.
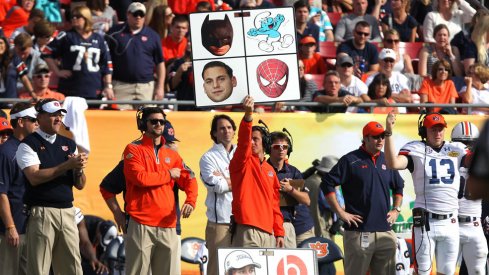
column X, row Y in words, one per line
column 133, row 91
column 304, row 236
column 379, row 255
column 52, row 238
column 216, row 236
column 289, row 237
column 13, row 260
column 250, row 236
column 150, row 248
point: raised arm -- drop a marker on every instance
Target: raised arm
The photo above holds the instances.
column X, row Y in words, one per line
column 397, row 162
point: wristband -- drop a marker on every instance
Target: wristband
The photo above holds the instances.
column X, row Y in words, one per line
column 109, row 86
column 387, row 133
column 10, row 226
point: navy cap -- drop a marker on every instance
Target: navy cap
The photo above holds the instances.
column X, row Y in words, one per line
column 169, row 133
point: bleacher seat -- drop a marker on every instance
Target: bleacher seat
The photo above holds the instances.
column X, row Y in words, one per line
column 317, row 78
column 411, row 48
column 334, row 17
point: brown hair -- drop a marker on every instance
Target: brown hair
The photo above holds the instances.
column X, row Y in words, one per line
column 43, row 29
column 438, row 64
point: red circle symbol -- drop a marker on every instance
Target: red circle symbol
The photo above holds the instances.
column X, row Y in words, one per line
column 291, row 265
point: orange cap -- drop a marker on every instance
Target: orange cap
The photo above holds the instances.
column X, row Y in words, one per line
column 431, row 120
column 373, row 128
column 307, row 40
column 5, row 125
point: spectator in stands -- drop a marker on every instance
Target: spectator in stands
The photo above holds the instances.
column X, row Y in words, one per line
column 120, row 7
column 338, row 6
column 85, row 59
column 419, row 10
column 40, row 83
column 363, row 53
column 17, row 16
column 399, row 83
column 5, row 6
column 475, row 90
column 321, row 19
column 8, row 76
column 453, row 14
column 43, row 34
column 401, row 21
column 5, row 130
column 203, row 6
column 403, row 62
column 103, row 15
column 181, row 79
column 257, row 4
column 137, row 55
column 302, row 25
column 476, row 49
column 347, row 26
column 175, row 43
column 349, row 82
column 313, row 61
column 440, row 50
column 333, row 93
column 439, row 89
column 157, row 24
column 380, row 92
column 307, row 87
column 34, row 18
column 24, row 61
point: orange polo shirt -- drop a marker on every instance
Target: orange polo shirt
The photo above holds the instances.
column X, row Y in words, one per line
column 172, row 49
column 438, row 94
column 46, row 94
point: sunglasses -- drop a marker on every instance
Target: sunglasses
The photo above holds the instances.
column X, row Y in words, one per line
column 389, row 60
column 381, row 136
column 76, row 16
column 138, row 14
column 362, row 33
column 41, row 76
column 392, row 41
column 156, row 121
column 31, row 119
column 346, row 65
column 5, row 133
column 280, row 147
column 443, row 70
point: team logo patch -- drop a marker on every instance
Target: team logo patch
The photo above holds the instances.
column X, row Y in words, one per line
column 384, row 167
column 453, row 154
column 167, row 160
column 144, row 38
column 129, row 156
column 4, row 123
column 270, row 173
column 64, row 148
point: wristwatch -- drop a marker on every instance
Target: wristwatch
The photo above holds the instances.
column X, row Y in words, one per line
column 397, row 208
column 109, row 85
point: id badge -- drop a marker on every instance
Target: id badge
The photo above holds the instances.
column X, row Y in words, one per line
column 364, row 242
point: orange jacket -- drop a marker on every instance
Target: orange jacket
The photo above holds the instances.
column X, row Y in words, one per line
column 255, row 187
column 16, row 17
column 149, row 186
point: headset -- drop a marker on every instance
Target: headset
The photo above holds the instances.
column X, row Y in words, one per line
column 422, row 132
column 265, row 136
column 291, row 141
column 140, row 114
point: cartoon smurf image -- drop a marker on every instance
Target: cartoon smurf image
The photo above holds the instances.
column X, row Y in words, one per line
column 269, row 27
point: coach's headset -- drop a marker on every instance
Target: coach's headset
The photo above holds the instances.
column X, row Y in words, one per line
column 265, row 136
column 141, row 117
column 422, row 132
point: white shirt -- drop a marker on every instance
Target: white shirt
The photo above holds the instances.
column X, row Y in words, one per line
column 356, row 88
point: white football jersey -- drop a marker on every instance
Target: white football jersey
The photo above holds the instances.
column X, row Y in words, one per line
column 467, row 207
column 436, row 175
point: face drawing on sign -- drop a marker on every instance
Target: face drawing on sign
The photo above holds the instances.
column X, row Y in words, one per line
column 272, row 76
column 218, row 81
column 267, row 28
column 217, row 35
column 239, row 262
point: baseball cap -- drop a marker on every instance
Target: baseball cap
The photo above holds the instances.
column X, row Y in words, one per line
column 41, row 68
column 345, row 59
column 238, row 259
column 387, row 53
column 327, row 162
column 434, row 119
column 52, row 107
column 108, row 232
column 373, row 128
column 169, row 133
column 5, row 125
column 307, row 40
column 136, row 6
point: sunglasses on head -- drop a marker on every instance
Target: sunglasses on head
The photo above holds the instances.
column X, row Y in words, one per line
column 280, row 147
column 381, row 136
column 138, row 14
column 156, row 121
column 362, row 33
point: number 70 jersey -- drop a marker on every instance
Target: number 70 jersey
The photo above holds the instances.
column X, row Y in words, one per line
column 436, row 176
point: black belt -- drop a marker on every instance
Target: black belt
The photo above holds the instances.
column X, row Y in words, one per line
column 439, row 217
column 466, row 219
column 287, row 220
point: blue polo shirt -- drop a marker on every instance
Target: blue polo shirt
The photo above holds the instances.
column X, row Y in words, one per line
column 366, row 183
column 134, row 56
column 12, row 183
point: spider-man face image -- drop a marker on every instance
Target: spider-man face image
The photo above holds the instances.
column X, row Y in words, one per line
column 272, row 75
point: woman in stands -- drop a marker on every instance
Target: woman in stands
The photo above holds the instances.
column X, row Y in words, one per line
column 379, row 91
column 17, row 16
column 401, row 21
column 439, row 89
column 403, row 62
column 475, row 92
column 453, row 14
column 161, row 20
column 477, row 50
column 440, row 50
column 8, row 75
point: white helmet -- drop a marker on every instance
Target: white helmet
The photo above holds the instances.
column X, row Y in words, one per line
column 465, row 131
